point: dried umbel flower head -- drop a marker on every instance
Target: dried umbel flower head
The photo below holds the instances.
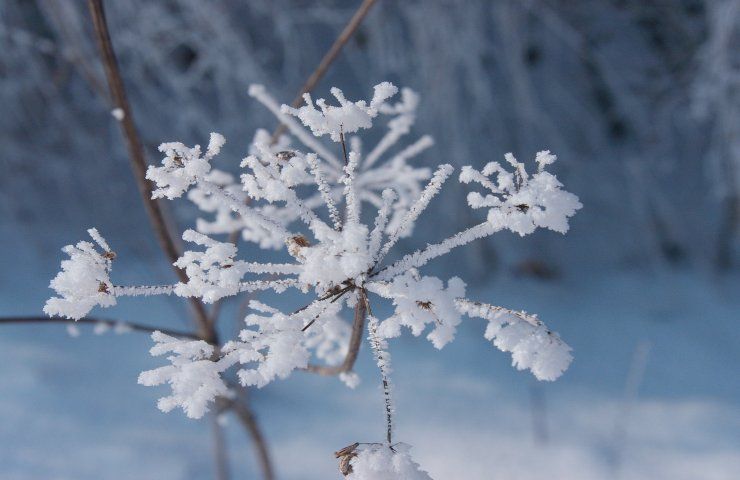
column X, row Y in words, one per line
column 338, row 258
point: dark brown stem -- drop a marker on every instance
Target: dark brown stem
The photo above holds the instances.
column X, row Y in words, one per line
column 99, row 321
column 355, row 340
column 329, row 58
column 139, row 165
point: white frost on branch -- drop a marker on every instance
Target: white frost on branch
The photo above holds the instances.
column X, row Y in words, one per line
column 195, row 379
column 422, row 301
column 377, row 172
column 275, row 347
column 182, row 166
column 520, row 202
column 84, row 281
column 532, row 345
column 212, row 274
column 348, row 117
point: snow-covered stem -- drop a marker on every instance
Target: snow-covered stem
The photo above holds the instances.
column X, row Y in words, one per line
column 421, row 257
column 142, row 290
column 381, row 220
column 383, row 359
column 352, row 203
column 430, row 191
column 261, row 285
column 324, row 190
column 242, row 209
column 485, row 310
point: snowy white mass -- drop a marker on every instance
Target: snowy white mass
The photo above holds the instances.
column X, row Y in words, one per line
column 311, row 200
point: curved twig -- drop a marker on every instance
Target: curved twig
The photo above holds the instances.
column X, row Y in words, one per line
column 100, row 321
column 355, row 341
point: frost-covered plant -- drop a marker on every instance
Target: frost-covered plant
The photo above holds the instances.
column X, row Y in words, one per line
column 336, row 258
column 378, row 171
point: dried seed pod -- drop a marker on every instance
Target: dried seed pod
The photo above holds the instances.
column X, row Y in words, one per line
column 285, row 155
column 424, row 305
column 345, row 456
column 109, row 255
column 296, row 244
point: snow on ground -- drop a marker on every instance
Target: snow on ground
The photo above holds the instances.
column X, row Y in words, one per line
column 70, row 408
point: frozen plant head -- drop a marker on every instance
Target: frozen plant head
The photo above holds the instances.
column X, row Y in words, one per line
column 347, row 117
column 385, row 166
column 84, row 281
column 311, row 204
column 520, row 202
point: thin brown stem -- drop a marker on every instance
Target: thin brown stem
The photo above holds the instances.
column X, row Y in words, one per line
column 249, row 421
column 139, row 165
column 221, row 458
column 100, row 321
column 329, row 58
column 355, row 340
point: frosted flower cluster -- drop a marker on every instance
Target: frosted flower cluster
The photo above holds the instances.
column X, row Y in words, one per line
column 311, row 204
column 84, row 281
column 519, row 202
column 347, row 117
column 385, row 166
column 422, row 301
column 194, row 378
column 182, row 166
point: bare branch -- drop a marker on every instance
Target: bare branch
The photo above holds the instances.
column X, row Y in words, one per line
column 100, row 321
column 154, row 208
column 329, row 58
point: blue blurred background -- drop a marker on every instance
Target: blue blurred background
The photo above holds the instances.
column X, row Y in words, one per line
column 640, row 100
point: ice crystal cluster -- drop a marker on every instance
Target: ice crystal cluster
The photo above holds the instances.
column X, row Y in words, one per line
column 311, row 201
